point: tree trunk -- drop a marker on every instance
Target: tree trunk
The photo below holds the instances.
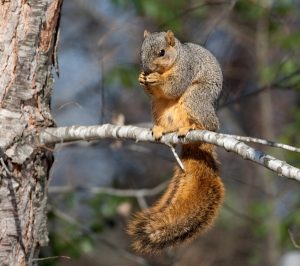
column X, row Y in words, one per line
column 28, row 30
column 272, row 251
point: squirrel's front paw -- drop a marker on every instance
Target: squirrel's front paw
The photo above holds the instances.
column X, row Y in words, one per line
column 142, row 79
column 158, row 132
column 153, row 79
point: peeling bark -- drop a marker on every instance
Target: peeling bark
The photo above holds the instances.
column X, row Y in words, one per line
column 27, row 39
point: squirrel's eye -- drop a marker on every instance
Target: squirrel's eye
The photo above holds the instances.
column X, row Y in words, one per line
column 162, row 52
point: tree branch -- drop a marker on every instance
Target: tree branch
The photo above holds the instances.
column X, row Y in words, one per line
column 275, row 84
column 263, row 142
column 144, row 192
column 90, row 133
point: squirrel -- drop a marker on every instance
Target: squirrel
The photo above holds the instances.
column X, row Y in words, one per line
column 184, row 81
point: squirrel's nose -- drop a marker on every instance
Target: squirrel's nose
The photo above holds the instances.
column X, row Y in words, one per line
column 147, row 70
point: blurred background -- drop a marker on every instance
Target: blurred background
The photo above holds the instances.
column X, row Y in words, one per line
column 95, row 186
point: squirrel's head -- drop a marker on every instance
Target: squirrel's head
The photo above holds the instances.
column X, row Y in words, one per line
column 158, row 51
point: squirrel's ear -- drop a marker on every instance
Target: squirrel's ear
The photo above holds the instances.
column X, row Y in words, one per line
column 146, row 33
column 170, row 38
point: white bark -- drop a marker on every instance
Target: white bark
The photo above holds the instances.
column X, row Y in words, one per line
column 89, row 133
column 264, row 142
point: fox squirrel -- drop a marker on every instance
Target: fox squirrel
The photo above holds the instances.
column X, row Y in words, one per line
column 184, row 81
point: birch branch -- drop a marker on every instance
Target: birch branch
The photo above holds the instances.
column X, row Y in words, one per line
column 90, row 133
column 264, row 142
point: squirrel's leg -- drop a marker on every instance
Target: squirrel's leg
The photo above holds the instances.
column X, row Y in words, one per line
column 199, row 105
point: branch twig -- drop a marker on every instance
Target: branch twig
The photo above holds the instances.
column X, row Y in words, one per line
column 276, row 83
column 293, row 239
column 51, row 258
column 144, row 192
column 176, row 157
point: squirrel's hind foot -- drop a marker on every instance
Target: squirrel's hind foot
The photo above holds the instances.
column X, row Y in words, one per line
column 158, row 132
column 181, row 132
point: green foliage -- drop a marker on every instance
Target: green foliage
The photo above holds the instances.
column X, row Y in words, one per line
column 289, row 42
column 289, row 67
column 124, row 74
column 248, row 11
column 254, row 257
column 105, row 206
column 283, row 7
column 259, row 210
column 291, row 136
column 69, row 199
column 292, row 220
column 268, row 74
column 164, row 11
column 73, row 240
column 74, row 245
column 167, row 14
column 66, row 240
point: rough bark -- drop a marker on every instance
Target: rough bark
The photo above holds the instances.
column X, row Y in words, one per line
column 27, row 39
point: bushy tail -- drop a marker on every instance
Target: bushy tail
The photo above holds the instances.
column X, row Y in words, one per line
column 188, row 207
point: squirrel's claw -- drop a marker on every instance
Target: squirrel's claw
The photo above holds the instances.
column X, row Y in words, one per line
column 181, row 132
column 158, row 132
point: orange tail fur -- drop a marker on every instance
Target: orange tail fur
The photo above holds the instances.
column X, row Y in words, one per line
column 188, row 207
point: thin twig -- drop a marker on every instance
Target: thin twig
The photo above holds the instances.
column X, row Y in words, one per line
column 225, row 13
column 52, row 257
column 240, row 215
column 144, row 192
column 142, row 202
column 276, row 83
column 69, row 103
column 102, row 90
column 190, row 10
column 293, row 239
column 140, row 194
column 176, row 156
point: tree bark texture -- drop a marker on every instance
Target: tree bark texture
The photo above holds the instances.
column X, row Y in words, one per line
column 28, row 31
